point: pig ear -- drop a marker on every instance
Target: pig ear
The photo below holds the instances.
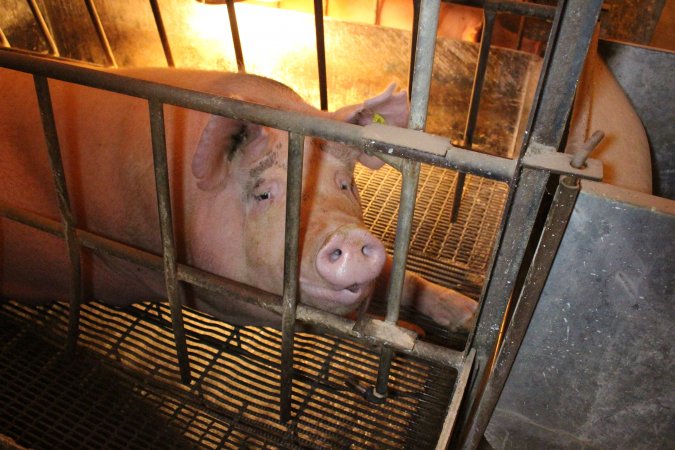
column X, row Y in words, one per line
column 221, row 138
column 387, row 108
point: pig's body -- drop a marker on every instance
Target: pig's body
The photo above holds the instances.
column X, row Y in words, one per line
column 228, row 196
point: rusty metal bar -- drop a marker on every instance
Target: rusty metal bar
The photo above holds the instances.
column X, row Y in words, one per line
column 68, row 220
column 321, row 53
column 100, row 32
column 236, row 40
column 162, row 33
column 44, row 29
column 291, row 269
column 554, row 230
column 166, row 228
column 421, row 82
column 489, row 17
column 408, row 143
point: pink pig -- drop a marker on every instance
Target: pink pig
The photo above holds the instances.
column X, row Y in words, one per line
column 228, row 182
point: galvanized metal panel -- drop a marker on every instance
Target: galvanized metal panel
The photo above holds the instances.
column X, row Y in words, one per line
column 595, row 369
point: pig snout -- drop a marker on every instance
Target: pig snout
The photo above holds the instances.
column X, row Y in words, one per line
column 350, row 258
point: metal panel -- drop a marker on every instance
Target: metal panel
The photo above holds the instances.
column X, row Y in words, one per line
column 595, row 369
column 644, row 74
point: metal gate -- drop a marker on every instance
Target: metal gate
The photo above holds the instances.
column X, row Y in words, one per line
column 523, row 252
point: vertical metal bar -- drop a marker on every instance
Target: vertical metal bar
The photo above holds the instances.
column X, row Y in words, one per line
column 424, row 61
column 72, row 243
column 3, row 39
column 476, row 91
column 554, row 229
column 321, row 53
column 100, row 32
column 413, row 47
column 291, row 269
column 39, row 18
column 162, row 33
column 166, row 228
column 570, row 38
column 236, row 41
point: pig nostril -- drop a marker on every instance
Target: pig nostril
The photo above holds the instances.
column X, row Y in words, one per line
column 335, row 255
column 367, row 250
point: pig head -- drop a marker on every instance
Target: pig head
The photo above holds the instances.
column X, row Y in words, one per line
column 241, row 169
column 228, row 193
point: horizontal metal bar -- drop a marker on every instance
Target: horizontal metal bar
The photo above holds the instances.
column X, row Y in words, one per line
column 229, row 288
column 435, row 150
column 561, row 163
column 521, row 8
column 397, row 141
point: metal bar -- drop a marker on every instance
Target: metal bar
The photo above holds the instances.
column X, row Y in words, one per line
column 474, row 103
column 3, row 39
column 229, row 288
column 162, row 33
column 456, row 401
column 236, row 40
column 406, row 143
column 321, row 53
column 72, row 243
column 554, row 229
column 421, row 82
column 166, row 229
column 564, row 71
column 291, row 269
column 544, row 12
column 100, row 32
column 574, row 20
column 413, row 47
column 44, row 29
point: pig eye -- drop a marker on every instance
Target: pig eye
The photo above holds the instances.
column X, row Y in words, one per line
column 344, row 185
column 262, row 196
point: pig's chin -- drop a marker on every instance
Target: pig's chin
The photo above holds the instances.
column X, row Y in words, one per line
column 332, row 299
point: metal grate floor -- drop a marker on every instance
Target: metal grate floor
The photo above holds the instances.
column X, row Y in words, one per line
column 123, row 390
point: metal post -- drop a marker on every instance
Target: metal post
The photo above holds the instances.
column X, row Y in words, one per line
column 100, row 32
column 571, row 35
column 72, row 242
column 424, row 61
column 166, row 228
column 554, row 229
column 476, row 91
column 162, row 33
column 321, row 53
column 291, row 269
column 236, row 41
column 39, row 18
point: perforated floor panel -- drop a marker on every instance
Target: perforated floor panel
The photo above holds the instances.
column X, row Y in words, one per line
column 122, row 389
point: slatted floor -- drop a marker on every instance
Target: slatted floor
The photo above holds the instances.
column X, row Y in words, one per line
column 123, row 391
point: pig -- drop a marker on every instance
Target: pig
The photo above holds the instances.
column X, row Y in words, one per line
column 228, row 182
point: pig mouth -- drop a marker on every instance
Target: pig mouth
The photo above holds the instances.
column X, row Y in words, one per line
column 345, row 296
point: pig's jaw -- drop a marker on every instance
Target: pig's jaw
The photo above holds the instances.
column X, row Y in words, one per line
column 339, row 300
